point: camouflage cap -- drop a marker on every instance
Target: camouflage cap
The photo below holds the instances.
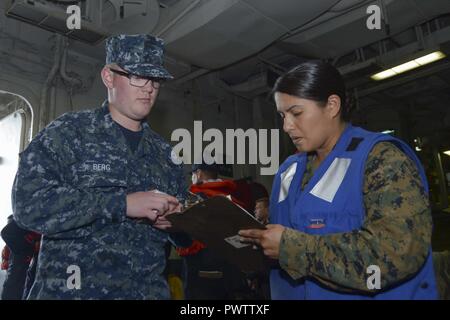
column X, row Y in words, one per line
column 139, row 54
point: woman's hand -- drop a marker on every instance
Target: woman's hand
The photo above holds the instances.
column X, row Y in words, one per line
column 269, row 239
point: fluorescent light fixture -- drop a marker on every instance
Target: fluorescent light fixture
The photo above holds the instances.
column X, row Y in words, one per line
column 429, row 58
column 447, row 152
column 405, row 67
column 438, row 55
column 384, row 74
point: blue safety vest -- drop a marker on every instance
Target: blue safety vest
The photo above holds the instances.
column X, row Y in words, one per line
column 332, row 202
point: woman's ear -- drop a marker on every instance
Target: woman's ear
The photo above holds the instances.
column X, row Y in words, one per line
column 107, row 77
column 334, row 105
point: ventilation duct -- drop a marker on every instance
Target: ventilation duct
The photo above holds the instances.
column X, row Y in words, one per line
column 99, row 18
column 130, row 16
column 53, row 18
column 226, row 31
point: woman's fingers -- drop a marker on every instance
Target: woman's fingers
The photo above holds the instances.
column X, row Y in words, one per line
column 268, row 239
column 251, row 236
column 251, row 233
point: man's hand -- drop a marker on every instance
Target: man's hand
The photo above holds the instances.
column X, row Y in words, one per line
column 153, row 206
column 162, row 223
column 269, row 239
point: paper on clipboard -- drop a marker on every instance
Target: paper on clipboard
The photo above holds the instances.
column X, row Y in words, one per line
column 216, row 222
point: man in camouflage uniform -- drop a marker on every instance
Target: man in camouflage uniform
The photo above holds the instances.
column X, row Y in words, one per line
column 98, row 183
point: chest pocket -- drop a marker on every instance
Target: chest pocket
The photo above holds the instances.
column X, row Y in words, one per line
column 330, row 222
column 160, row 173
column 103, row 181
column 100, row 174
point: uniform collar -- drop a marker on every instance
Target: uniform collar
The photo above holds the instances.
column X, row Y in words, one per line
column 108, row 126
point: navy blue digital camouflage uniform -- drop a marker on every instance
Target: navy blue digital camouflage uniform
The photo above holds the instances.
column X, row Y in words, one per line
column 71, row 186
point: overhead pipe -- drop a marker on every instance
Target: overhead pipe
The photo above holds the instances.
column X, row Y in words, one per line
column 437, row 24
column 419, row 36
column 384, row 12
column 73, row 82
column 43, row 110
column 68, row 80
column 52, row 108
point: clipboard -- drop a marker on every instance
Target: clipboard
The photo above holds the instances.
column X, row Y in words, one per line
column 216, row 222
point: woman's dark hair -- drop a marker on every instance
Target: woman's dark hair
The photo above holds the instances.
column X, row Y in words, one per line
column 314, row 80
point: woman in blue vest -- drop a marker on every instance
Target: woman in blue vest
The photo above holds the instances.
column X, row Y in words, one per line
column 350, row 216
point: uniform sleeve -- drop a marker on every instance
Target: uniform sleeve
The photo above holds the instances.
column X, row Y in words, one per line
column 182, row 187
column 395, row 236
column 180, row 239
column 43, row 201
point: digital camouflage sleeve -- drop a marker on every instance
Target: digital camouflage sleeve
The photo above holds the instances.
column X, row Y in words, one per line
column 395, row 236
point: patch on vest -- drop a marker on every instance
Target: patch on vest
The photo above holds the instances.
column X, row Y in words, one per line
column 316, row 223
column 286, row 179
column 330, row 182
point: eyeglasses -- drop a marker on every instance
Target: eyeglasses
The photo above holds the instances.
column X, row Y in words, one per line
column 138, row 81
